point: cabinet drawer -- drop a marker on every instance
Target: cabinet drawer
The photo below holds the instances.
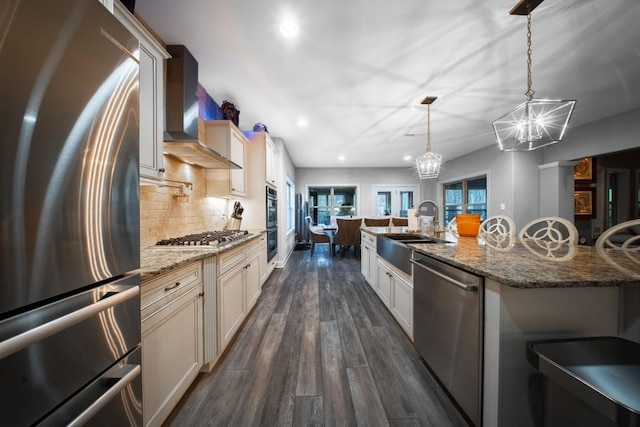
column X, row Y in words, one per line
column 252, row 247
column 368, row 238
column 162, row 290
column 229, row 259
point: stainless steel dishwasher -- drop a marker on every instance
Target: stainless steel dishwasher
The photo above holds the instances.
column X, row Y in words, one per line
column 448, row 329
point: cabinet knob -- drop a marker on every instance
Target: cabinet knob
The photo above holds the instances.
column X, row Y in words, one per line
column 161, row 170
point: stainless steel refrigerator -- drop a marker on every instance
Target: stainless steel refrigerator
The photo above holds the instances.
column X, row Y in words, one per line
column 69, row 216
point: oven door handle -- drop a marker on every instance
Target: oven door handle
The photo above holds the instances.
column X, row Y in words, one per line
column 467, row 287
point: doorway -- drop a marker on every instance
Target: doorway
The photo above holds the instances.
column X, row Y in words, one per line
column 393, row 200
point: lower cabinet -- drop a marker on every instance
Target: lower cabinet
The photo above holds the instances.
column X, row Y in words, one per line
column 395, row 289
column 262, row 261
column 231, row 306
column 239, row 287
column 384, row 283
column 172, row 339
column 368, row 258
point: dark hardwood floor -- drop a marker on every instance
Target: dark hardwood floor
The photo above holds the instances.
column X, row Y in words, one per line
column 320, row 348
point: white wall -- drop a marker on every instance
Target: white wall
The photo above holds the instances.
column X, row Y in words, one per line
column 616, row 133
column 364, row 178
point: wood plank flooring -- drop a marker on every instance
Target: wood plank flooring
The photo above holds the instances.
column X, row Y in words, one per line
column 320, row 349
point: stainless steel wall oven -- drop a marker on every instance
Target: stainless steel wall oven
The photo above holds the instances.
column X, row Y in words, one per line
column 272, row 222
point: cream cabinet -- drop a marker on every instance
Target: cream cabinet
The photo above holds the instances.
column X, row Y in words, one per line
column 402, row 303
column 152, row 56
column 225, row 138
column 252, row 277
column 395, row 289
column 265, row 267
column 231, row 305
column 384, row 281
column 271, row 162
column 238, row 289
column 172, row 339
column 368, row 258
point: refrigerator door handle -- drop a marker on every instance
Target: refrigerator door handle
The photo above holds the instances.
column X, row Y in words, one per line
column 128, row 373
column 31, row 336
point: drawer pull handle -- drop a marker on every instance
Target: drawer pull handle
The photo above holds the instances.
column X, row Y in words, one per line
column 167, row 289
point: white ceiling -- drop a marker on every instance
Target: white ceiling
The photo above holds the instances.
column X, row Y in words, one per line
column 359, row 68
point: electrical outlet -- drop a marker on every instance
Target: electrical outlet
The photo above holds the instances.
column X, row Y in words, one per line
column 502, row 206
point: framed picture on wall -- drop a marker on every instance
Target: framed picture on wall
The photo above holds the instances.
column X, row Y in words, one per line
column 584, row 205
column 584, row 171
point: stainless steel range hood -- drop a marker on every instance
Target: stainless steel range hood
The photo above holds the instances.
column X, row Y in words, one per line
column 181, row 135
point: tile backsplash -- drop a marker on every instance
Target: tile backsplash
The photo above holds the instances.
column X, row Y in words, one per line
column 163, row 216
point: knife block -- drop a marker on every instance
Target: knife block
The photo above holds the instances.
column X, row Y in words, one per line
column 234, row 224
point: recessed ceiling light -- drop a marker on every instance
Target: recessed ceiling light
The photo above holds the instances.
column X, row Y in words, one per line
column 289, row 28
column 302, row 122
column 341, row 158
column 407, row 157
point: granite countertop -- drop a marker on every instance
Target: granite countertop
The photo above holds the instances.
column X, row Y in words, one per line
column 524, row 265
column 156, row 260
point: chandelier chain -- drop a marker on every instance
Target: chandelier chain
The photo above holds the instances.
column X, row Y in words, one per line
column 530, row 92
column 428, row 127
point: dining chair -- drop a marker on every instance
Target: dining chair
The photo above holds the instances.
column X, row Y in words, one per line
column 498, row 231
column 318, row 235
column 397, row 221
column 625, row 236
column 348, row 234
column 377, row 222
column 550, row 230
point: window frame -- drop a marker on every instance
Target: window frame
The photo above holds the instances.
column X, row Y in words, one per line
column 465, row 205
column 331, row 208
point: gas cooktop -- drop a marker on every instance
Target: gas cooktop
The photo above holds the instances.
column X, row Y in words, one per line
column 208, row 239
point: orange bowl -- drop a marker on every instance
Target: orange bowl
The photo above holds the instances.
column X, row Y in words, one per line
column 468, row 224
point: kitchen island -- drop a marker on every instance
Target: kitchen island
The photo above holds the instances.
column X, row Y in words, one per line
column 529, row 296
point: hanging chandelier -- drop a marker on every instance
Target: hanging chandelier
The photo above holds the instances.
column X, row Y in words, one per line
column 429, row 163
column 535, row 123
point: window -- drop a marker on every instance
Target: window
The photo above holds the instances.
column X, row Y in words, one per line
column 325, row 202
column 466, row 196
column 291, row 200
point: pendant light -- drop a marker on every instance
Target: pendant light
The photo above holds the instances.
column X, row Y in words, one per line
column 535, row 123
column 429, row 163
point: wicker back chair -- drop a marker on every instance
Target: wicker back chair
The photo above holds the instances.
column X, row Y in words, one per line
column 397, row 221
column 377, row 222
column 348, row 234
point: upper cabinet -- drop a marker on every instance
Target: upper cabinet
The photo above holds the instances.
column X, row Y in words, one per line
column 225, row 138
column 272, row 162
column 152, row 55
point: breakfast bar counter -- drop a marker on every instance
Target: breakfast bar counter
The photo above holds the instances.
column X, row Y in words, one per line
column 527, row 266
column 528, row 294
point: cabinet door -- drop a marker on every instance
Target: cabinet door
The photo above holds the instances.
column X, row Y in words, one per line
column 402, row 304
column 384, row 281
column 152, row 56
column 271, row 163
column 364, row 260
column 236, row 151
column 252, row 276
column 231, row 306
column 262, row 262
column 373, row 277
column 171, row 355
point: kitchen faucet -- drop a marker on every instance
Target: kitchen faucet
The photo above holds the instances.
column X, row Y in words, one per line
column 427, row 208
